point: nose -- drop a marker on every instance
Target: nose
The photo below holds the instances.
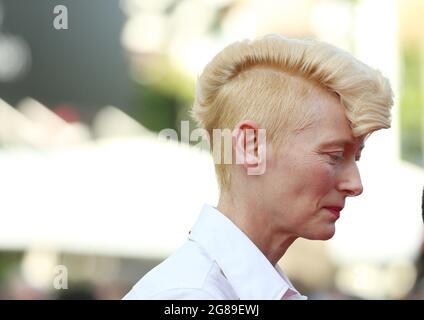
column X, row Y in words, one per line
column 350, row 181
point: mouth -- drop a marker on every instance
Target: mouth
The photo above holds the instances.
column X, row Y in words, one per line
column 335, row 211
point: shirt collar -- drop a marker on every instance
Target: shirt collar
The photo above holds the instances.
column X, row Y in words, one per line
column 246, row 268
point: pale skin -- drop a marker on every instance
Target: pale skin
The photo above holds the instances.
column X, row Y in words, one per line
column 309, row 175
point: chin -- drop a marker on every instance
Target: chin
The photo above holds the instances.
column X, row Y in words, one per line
column 328, row 236
column 325, row 234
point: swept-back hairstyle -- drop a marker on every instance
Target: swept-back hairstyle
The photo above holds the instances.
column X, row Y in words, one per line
column 266, row 80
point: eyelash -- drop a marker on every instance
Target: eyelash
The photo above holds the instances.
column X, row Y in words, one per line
column 336, row 157
column 340, row 158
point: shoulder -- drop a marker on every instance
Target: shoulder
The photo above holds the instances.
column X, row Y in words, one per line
column 189, row 273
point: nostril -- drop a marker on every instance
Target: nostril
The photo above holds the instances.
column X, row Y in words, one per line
column 354, row 192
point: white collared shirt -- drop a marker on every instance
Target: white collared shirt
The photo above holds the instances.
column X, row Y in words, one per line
column 218, row 261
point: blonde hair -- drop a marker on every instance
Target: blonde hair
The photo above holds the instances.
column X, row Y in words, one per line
column 268, row 79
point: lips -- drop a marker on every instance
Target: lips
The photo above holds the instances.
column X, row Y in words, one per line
column 335, row 211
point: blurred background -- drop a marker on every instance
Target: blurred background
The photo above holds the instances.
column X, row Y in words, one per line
column 92, row 198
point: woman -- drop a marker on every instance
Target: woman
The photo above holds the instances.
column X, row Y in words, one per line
column 317, row 105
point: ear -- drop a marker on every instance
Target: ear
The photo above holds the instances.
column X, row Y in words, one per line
column 249, row 144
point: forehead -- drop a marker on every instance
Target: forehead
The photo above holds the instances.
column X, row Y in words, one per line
column 328, row 124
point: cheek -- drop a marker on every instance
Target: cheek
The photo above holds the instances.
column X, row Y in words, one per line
column 316, row 179
column 323, row 177
column 303, row 178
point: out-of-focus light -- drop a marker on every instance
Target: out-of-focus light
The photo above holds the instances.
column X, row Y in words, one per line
column 363, row 281
column 38, row 113
column 132, row 7
column 332, row 22
column 308, row 260
column 144, row 33
column 193, row 56
column 184, row 23
column 249, row 19
column 112, row 122
column 370, row 281
column 55, row 130
column 240, row 22
column 411, row 24
column 38, row 268
column 218, row 3
column 16, row 129
column 148, row 67
column 67, row 113
column 400, row 278
column 32, row 124
column 15, row 58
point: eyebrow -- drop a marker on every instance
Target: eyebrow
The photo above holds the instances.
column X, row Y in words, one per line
column 340, row 143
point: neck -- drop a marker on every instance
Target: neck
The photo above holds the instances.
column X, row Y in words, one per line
column 258, row 227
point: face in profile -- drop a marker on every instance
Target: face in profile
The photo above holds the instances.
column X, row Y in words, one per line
column 308, row 179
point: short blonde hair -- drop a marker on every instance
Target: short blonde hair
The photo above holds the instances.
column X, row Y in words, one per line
column 267, row 80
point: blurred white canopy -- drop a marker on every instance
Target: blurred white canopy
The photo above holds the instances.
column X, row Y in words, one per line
column 134, row 197
column 131, row 196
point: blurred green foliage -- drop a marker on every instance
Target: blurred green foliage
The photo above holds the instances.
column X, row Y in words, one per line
column 163, row 103
column 411, row 106
column 9, row 261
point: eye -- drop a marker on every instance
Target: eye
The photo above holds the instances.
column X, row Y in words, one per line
column 338, row 156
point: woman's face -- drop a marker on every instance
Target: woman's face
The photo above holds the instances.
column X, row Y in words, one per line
column 307, row 180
